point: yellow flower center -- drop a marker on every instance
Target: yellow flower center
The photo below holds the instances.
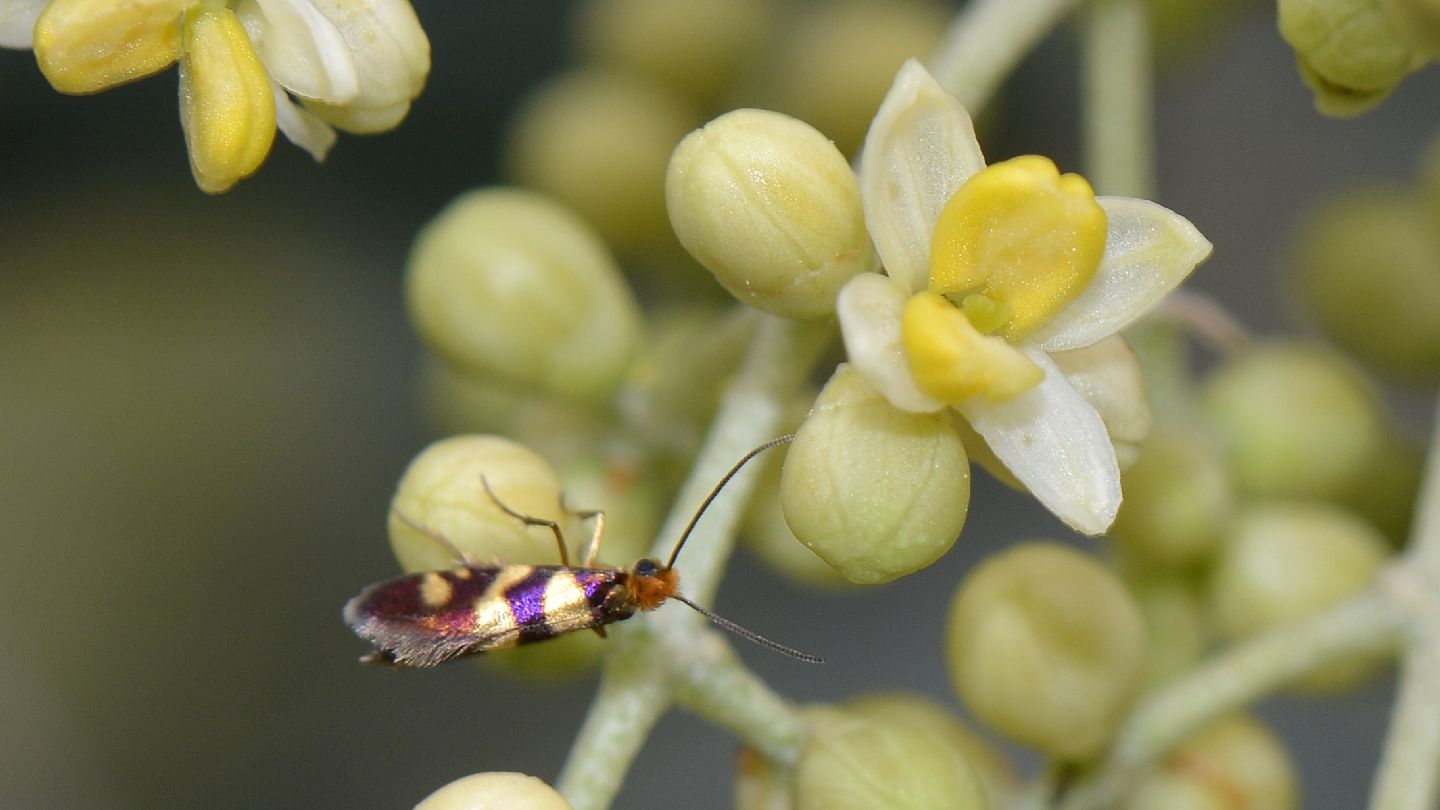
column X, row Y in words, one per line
column 85, row 46
column 1025, row 237
column 952, row 361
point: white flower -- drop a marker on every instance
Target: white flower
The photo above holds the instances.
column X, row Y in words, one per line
column 1025, row 262
column 246, row 67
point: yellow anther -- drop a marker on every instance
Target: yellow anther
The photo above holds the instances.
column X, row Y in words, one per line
column 1024, row 236
column 226, row 105
column 953, row 362
column 85, row 46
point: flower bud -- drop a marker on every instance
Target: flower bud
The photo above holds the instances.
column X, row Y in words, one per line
column 1295, row 420
column 1282, row 561
column 508, row 282
column 877, row 492
column 1419, row 22
column 1350, row 52
column 496, row 790
column 698, row 47
column 839, row 59
column 766, row 534
column 1177, row 630
column 1364, row 267
column 1233, row 762
column 599, row 141
column 1387, row 494
column 770, row 207
column 1107, row 375
column 1178, row 497
column 441, row 492
column 1047, row 647
column 997, row 777
column 855, row 763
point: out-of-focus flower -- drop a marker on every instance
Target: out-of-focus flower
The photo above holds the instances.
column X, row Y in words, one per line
column 990, row 270
column 354, row 65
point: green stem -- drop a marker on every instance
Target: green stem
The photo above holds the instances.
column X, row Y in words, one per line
column 1406, row 776
column 1364, row 624
column 987, row 40
column 665, row 656
column 1118, row 98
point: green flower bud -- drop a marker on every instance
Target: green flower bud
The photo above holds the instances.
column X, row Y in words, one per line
column 997, row 777
column 855, row 763
column 1296, row 420
column 1233, row 762
column 1364, row 267
column 1178, row 497
column 1350, row 52
column 840, row 58
column 770, row 207
column 598, row 141
column 877, row 492
column 495, row 791
column 1047, row 647
column 508, row 282
column 1387, row 494
column 1419, row 22
column 1177, row 630
column 1282, row 561
column 441, row 492
column 698, row 47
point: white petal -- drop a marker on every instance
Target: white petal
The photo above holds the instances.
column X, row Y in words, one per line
column 869, row 308
column 391, row 52
column 17, row 22
column 920, row 148
column 1056, row 445
column 1107, row 374
column 302, row 127
column 301, row 49
column 1149, row 250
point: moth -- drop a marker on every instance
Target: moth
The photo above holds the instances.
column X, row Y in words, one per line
column 425, row 619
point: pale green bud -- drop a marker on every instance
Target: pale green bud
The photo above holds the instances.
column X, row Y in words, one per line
column 1047, row 647
column 1176, row 623
column 1350, row 52
column 441, row 492
column 1386, row 495
column 839, row 60
column 698, row 47
column 599, row 141
column 877, row 492
column 1364, row 266
column 1295, row 420
column 1419, row 22
column 496, row 790
column 1283, row 561
column 997, row 777
column 1178, row 497
column 1233, row 762
column 767, row 535
column 855, row 763
column 769, row 206
column 508, row 282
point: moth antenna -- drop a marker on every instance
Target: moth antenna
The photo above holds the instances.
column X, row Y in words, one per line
column 705, row 504
column 750, row 635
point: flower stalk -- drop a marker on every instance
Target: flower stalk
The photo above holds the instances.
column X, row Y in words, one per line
column 987, row 40
column 1117, row 70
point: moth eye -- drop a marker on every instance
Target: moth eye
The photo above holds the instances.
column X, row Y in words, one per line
column 646, row 568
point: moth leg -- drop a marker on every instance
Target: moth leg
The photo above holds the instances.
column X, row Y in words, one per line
column 599, row 631
column 460, row 556
column 530, row 520
column 593, row 549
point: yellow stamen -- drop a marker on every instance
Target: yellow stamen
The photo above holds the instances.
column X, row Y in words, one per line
column 226, row 105
column 85, row 46
column 953, row 362
column 1022, row 235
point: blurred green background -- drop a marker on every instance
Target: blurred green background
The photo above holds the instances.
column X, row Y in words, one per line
column 205, row 404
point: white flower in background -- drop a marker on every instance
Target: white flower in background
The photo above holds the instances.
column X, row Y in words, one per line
column 990, row 270
column 354, row 65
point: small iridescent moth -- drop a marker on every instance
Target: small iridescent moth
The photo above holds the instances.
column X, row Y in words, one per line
column 425, row 619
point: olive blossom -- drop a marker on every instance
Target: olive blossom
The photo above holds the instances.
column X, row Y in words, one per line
column 306, row 67
column 988, row 272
